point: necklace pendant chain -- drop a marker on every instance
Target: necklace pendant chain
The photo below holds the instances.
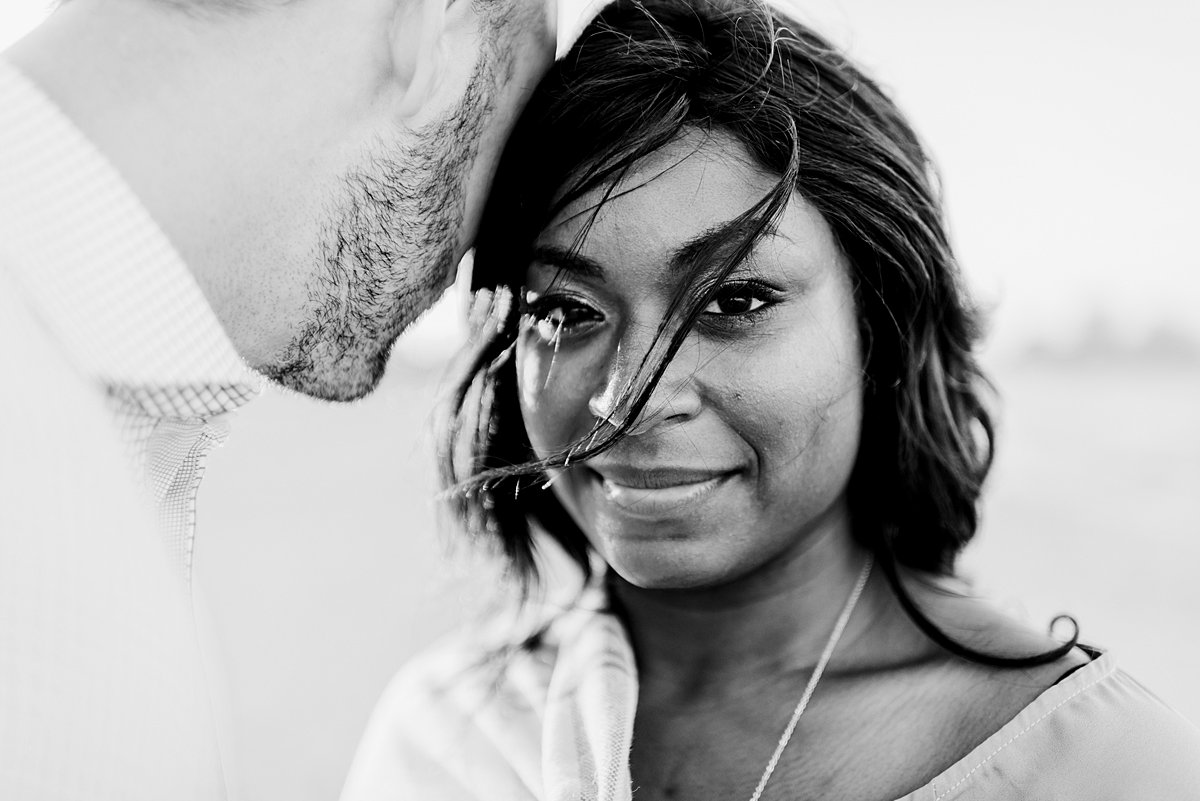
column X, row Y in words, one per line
column 826, row 655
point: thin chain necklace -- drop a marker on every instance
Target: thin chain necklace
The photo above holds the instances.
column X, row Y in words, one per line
column 838, row 628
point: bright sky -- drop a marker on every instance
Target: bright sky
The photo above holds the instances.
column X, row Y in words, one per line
column 1066, row 132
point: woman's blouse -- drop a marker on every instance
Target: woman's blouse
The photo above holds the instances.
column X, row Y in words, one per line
column 554, row 722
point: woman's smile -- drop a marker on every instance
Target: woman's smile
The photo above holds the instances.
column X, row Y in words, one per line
column 657, row 492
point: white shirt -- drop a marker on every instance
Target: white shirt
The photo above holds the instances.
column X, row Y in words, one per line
column 116, row 376
column 554, row 721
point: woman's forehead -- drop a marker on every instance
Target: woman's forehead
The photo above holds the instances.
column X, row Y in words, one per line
column 709, row 171
column 691, row 190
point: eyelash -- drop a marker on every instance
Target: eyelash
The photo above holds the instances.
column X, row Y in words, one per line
column 756, row 291
column 574, row 314
column 561, row 317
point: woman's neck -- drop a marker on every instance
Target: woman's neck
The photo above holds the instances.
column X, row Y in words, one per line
column 692, row 643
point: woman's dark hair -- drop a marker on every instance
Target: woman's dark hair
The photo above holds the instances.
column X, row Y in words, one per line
column 642, row 74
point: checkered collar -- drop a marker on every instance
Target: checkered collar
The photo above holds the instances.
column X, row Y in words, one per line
column 98, row 270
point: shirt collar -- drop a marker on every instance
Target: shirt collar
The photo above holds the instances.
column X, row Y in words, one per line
column 98, row 270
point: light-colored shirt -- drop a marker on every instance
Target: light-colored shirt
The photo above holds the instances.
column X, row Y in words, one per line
column 554, row 722
column 116, row 381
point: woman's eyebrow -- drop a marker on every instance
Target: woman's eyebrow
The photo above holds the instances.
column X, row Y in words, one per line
column 568, row 261
column 712, row 243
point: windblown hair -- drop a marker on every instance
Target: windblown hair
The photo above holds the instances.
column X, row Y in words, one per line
column 642, row 74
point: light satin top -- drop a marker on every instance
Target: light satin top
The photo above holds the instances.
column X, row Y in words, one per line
column 555, row 724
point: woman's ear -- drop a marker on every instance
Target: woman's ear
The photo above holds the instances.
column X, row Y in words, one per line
column 418, row 51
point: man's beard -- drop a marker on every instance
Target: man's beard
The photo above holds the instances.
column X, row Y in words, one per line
column 387, row 253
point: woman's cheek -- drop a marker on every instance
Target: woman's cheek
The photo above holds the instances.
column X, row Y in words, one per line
column 553, row 390
column 529, row 369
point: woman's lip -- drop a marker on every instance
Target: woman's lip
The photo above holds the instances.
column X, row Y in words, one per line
column 655, row 478
column 661, row 500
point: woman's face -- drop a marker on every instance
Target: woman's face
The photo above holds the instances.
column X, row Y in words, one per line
column 746, row 446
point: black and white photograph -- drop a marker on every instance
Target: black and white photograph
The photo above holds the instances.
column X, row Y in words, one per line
column 599, row 400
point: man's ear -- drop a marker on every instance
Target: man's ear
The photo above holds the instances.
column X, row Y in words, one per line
column 418, row 52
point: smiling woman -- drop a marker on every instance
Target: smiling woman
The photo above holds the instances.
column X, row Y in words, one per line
column 725, row 361
column 762, row 398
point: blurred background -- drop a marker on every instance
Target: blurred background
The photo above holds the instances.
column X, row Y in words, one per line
column 1067, row 137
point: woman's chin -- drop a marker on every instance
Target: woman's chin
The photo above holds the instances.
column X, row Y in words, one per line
column 666, row 569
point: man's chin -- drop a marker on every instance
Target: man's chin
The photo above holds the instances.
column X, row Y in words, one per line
column 340, row 380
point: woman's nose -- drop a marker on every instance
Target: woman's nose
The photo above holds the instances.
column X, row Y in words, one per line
column 674, row 398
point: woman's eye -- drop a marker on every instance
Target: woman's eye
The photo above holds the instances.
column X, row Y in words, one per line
column 737, row 299
column 557, row 318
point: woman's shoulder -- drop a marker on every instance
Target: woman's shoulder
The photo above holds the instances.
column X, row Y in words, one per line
column 1073, row 728
column 484, row 663
column 1096, row 734
column 460, row 720
column 1119, row 728
column 465, row 717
